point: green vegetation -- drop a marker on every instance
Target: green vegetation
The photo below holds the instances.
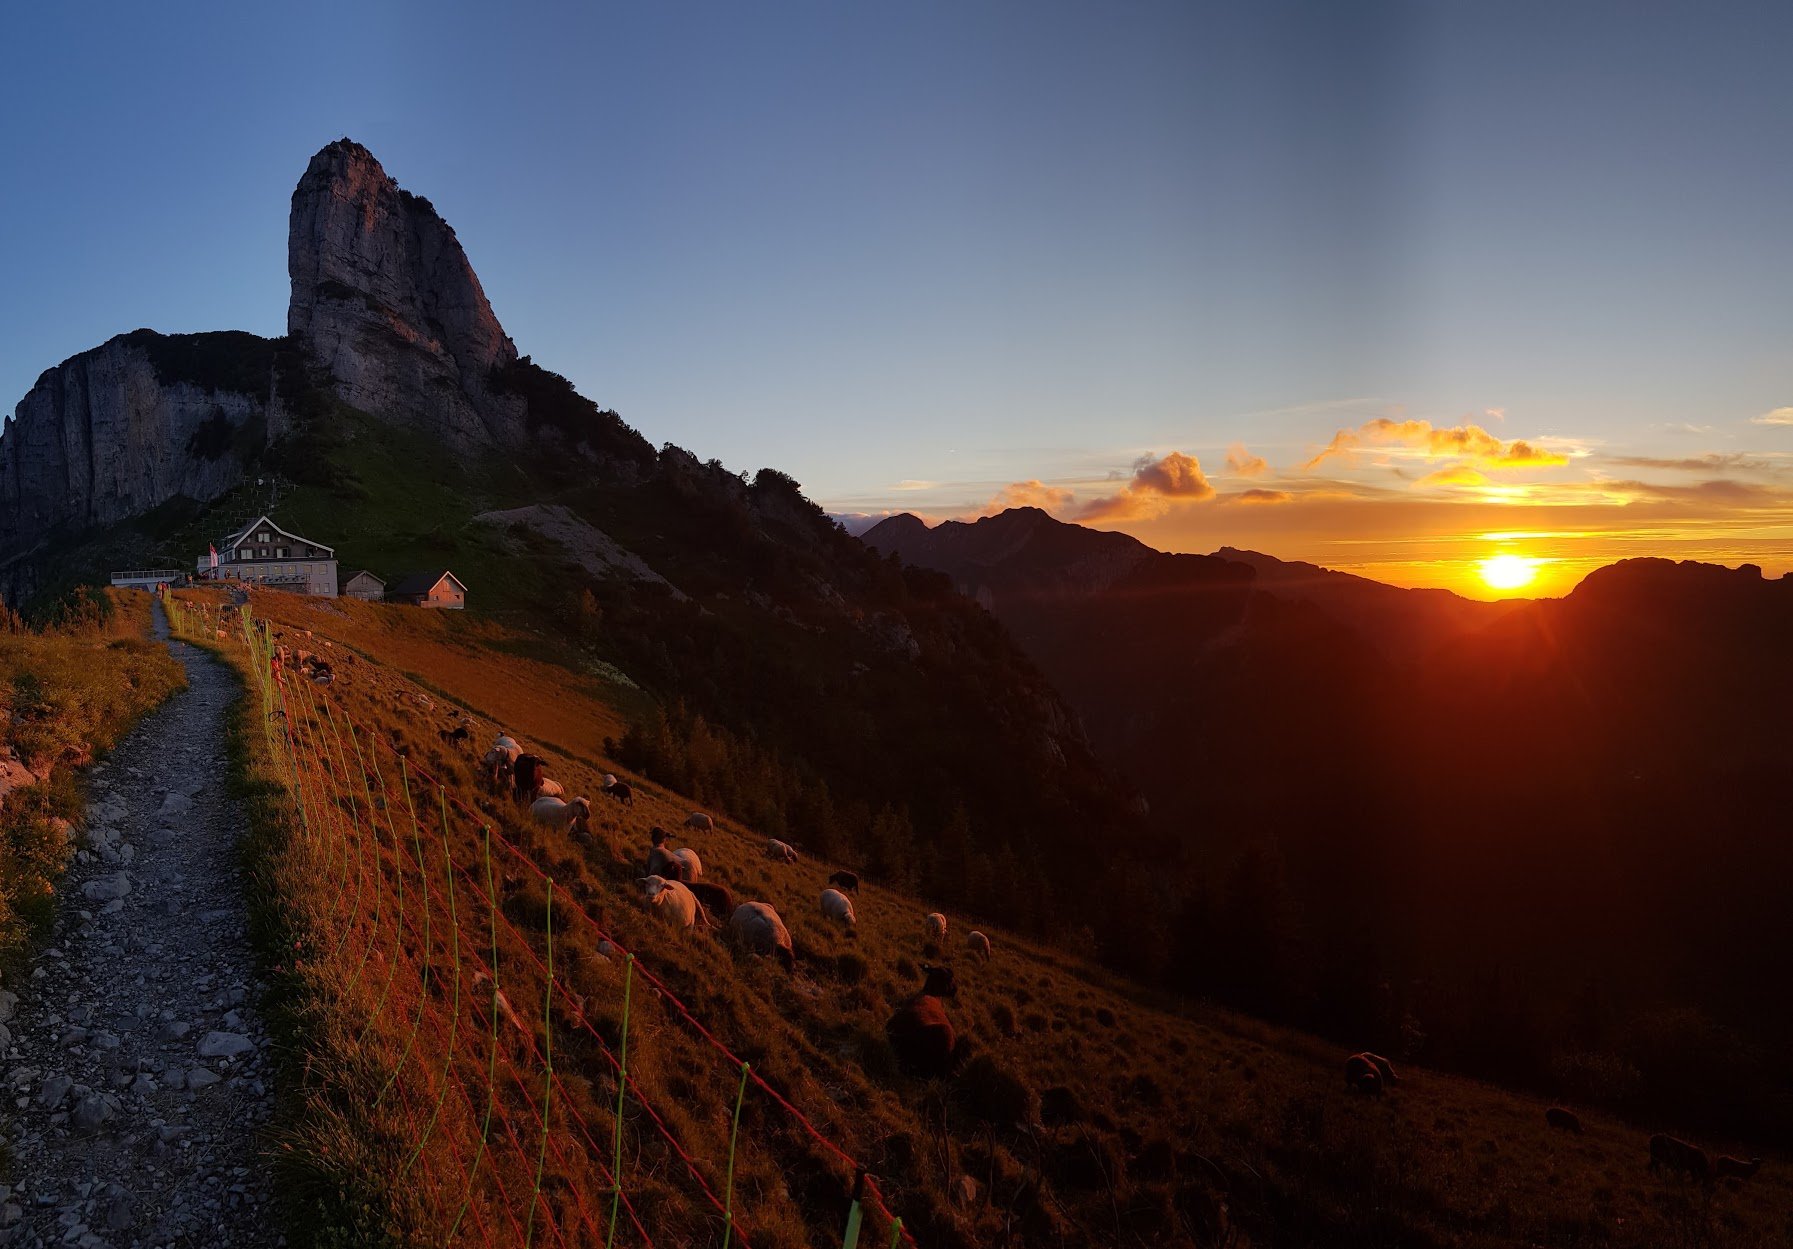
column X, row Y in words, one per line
column 554, row 403
column 223, row 360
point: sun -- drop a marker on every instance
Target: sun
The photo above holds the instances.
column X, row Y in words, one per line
column 1508, row 572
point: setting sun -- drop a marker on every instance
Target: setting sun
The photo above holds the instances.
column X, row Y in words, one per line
column 1508, row 572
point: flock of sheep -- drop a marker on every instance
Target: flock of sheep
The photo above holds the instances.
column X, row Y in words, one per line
column 673, row 886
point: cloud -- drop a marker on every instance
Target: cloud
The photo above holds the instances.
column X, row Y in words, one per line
column 1711, row 462
column 1454, row 475
column 1778, row 416
column 910, row 483
column 1030, row 493
column 1466, row 442
column 1261, row 496
column 1241, row 463
column 1155, row 486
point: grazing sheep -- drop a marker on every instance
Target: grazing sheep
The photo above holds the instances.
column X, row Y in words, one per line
column 664, row 862
column 507, row 746
column 846, row 882
column 700, row 821
column 934, row 925
column 715, row 899
column 1384, row 1068
column 672, row 900
column 920, row 1032
column 622, row 793
column 1677, row 1155
column 781, row 851
column 979, row 945
column 1730, row 1168
column 609, row 779
column 456, row 736
column 692, row 866
column 547, row 787
column 1567, row 1120
column 572, row 817
column 1363, row 1075
column 757, row 929
column 837, row 905
column 524, row 773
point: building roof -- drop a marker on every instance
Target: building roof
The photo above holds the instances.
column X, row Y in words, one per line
column 236, row 536
column 362, row 572
column 424, row 582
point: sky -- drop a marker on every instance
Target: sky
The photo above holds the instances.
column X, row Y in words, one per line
column 1395, row 288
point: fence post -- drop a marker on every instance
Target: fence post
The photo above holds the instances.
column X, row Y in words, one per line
column 728, row 1199
column 541, row 1157
column 854, row 1213
column 622, row 1085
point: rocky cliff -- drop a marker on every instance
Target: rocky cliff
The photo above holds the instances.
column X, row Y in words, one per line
column 124, row 427
column 384, row 299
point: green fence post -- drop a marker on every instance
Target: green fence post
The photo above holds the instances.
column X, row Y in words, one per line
column 728, row 1200
column 622, row 1085
column 855, row 1213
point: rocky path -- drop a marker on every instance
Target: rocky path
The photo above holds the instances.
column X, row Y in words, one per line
column 136, row 1076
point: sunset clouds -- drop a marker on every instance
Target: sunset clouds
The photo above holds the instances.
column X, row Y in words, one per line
column 1031, row 493
column 1472, row 444
column 1779, row 416
column 1241, row 463
column 1156, row 486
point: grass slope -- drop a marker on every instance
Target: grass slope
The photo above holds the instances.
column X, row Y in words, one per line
column 1097, row 1114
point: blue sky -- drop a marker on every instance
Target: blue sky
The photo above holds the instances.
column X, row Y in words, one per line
column 962, row 245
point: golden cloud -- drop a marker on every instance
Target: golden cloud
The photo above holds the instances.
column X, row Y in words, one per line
column 1454, row 475
column 1241, row 463
column 1777, row 416
column 1465, row 442
column 1156, row 485
column 1255, row 495
column 1030, row 493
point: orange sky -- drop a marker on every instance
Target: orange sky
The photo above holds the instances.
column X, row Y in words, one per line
column 1414, row 502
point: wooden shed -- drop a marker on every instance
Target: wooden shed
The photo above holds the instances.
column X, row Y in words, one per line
column 430, row 589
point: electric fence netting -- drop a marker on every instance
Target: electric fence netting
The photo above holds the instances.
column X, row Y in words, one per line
column 503, row 1030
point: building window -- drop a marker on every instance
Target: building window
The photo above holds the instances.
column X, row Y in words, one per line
column 283, row 552
column 261, row 537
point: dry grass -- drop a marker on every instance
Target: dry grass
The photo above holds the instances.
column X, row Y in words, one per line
column 65, row 698
column 1142, row 1125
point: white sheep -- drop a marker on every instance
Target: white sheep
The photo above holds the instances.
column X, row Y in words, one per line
column 837, row 905
column 694, row 868
column 756, row 927
column 508, row 747
column 700, row 821
column 935, row 927
column 548, row 787
column 609, row 780
column 677, row 903
column 568, row 817
column 979, row 945
column 781, row 851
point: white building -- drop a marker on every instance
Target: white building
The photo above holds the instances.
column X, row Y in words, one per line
column 266, row 554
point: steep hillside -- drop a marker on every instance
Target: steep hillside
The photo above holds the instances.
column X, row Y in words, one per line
column 1099, row 1117
column 872, row 709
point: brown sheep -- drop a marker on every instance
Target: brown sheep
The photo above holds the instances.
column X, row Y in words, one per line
column 1567, row 1120
column 1677, row 1155
column 1730, row 1168
column 920, row 1032
column 1362, row 1075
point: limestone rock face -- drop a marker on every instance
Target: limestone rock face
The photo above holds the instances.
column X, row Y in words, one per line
column 384, row 299
column 126, row 426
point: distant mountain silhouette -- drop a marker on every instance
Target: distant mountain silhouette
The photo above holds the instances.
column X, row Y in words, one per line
column 1544, row 834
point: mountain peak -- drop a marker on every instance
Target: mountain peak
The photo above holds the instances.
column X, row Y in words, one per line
column 385, row 299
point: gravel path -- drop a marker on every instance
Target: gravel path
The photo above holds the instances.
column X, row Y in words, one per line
column 136, row 1077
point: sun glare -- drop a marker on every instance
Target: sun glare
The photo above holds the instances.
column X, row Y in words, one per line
column 1508, row 572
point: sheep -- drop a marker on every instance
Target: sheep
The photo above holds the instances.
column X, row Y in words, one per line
column 715, row 899
column 1362, row 1075
column 609, row 780
column 1384, row 1068
column 572, row 817
column 920, row 1032
column 692, row 867
column 663, row 862
column 700, row 821
column 622, row 793
column 837, row 905
column 780, row 851
column 979, row 945
column 455, row 736
column 524, row 772
column 677, row 903
column 1567, row 1120
column 1730, row 1168
column 1677, row 1155
column 846, row 882
column 496, row 766
column 757, row 929
column 934, row 926
column 547, row 787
